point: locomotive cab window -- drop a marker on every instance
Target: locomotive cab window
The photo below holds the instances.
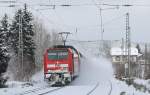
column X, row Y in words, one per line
column 57, row 54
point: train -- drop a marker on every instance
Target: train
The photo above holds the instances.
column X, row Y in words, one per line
column 61, row 64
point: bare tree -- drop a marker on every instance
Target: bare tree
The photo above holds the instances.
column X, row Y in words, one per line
column 43, row 39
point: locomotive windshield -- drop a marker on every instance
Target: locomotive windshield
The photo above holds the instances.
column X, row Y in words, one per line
column 57, row 54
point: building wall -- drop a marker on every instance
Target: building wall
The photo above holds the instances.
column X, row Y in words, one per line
column 123, row 59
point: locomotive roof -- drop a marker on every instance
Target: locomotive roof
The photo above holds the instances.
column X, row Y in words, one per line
column 62, row 46
column 68, row 46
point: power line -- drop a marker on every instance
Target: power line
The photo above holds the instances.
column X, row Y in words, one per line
column 95, row 4
column 9, row 1
column 104, row 24
column 101, row 25
column 14, row 4
column 112, row 20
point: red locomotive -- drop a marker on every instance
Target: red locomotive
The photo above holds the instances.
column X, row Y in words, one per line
column 61, row 64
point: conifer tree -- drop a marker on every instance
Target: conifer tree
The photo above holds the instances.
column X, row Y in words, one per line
column 14, row 31
column 4, row 55
column 22, row 26
column 27, row 32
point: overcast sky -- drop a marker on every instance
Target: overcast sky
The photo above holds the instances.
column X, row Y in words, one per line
column 87, row 18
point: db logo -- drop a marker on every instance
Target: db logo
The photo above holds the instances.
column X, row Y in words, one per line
column 57, row 64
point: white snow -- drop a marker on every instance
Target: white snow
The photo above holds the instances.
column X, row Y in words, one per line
column 140, row 81
column 38, row 79
column 93, row 70
column 119, row 51
column 143, row 82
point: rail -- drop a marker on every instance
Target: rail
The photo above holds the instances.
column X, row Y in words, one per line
column 50, row 91
column 90, row 92
column 110, row 87
column 56, row 89
column 32, row 90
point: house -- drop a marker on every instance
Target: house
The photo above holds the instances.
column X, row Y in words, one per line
column 120, row 55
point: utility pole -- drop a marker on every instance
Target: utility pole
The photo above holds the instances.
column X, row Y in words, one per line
column 102, row 27
column 122, row 49
column 122, row 57
column 128, row 46
column 64, row 36
column 102, row 30
column 145, row 65
column 76, row 30
column 20, row 52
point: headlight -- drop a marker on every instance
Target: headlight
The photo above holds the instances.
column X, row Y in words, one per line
column 47, row 75
column 57, row 65
column 63, row 65
column 65, row 69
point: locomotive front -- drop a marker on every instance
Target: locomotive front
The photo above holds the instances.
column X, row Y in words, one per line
column 57, row 66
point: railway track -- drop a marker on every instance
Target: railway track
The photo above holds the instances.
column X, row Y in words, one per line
column 36, row 91
column 96, row 86
column 32, row 90
column 110, row 88
column 92, row 90
column 50, row 91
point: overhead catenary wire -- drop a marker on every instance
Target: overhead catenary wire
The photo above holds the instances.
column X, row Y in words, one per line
column 40, row 13
column 104, row 24
column 18, row 3
column 38, row 10
column 103, row 4
column 101, row 24
column 113, row 19
column 94, row 26
column 7, row 1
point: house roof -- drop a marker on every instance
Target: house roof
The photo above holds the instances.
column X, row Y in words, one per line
column 119, row 51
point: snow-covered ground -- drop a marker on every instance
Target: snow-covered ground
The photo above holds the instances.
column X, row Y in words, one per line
column 142, row 84
column 95, row 72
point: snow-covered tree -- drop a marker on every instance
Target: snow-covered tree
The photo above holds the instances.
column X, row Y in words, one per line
column 27, row 32
column 4, row 56
column 14, row 31
column 22, row 23
column 44, row 39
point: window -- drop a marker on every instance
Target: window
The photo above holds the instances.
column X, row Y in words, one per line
column 57, row 54
column 117, row 58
